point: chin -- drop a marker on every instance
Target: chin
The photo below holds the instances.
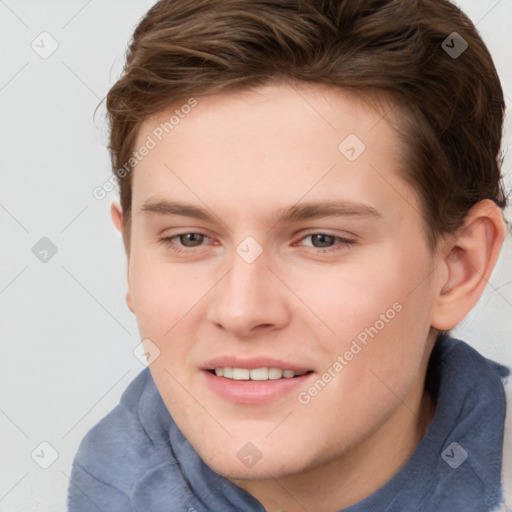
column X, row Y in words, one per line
column 236, row 464
column 260, row 471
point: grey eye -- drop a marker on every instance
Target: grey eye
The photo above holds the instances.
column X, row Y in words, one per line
column 322, row 240
column 191, row 239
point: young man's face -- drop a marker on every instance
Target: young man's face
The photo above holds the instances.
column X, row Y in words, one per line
column 305, row 255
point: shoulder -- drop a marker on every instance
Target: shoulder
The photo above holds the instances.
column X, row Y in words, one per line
column 481, row 391
column 121, row 447
column 507, row 445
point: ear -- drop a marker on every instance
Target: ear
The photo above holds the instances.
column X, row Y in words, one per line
column 117, row 218
column 468, row 259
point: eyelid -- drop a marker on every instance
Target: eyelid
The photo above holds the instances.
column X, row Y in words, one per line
column 175, row 236
column 327, row 232
column 339, row 242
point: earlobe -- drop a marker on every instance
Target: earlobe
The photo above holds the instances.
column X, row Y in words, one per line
column 117, row 216
column 129, row 301
column 468, row 261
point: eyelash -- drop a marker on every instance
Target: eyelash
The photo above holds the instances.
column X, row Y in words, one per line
column 170, row 242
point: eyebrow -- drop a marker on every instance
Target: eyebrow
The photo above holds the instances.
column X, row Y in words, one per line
column 294, row 213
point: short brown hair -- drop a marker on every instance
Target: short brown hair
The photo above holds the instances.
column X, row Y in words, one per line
column 452, row 107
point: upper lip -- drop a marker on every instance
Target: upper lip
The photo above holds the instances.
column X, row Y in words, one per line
column 252, row 363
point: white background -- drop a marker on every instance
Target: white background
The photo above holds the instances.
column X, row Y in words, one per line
column 67, row 335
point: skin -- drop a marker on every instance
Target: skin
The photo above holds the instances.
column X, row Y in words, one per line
column 243, row 156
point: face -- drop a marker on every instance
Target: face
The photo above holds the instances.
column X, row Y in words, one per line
column 279, row 263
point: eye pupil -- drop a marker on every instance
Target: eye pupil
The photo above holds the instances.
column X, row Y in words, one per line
column 190, row 239
column 324, row 240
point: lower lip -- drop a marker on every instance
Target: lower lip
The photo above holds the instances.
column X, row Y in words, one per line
column 254, row 391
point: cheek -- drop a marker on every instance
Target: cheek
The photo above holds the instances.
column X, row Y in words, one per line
column 351, row 297
column 378, row 313
column 162, row 294
column 372, row 379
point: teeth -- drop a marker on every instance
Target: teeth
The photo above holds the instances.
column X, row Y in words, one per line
column 259, row 374
column 275, row 373
column 256, row 373
column 241, row 374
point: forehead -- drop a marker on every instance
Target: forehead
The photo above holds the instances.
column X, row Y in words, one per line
column 275, row 144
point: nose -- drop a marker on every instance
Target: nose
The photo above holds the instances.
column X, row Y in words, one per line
column 249, row 299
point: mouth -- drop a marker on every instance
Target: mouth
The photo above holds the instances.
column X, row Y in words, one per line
column 255, row 382
column 256, row 374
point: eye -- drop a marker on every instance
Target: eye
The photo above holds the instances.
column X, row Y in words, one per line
column 327, row 241
column 184, row 242
column 322, row 240
column 191, row 239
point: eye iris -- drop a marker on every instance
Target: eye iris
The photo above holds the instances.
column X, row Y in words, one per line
column 190, row 239
column 324, row 240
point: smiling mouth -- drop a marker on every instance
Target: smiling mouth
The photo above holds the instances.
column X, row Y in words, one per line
column 256, row 374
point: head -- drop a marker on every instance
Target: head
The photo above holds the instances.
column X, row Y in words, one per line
column 338, row 173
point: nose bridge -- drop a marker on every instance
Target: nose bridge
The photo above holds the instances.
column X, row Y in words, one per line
column 246, row 285
column 248, row 296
